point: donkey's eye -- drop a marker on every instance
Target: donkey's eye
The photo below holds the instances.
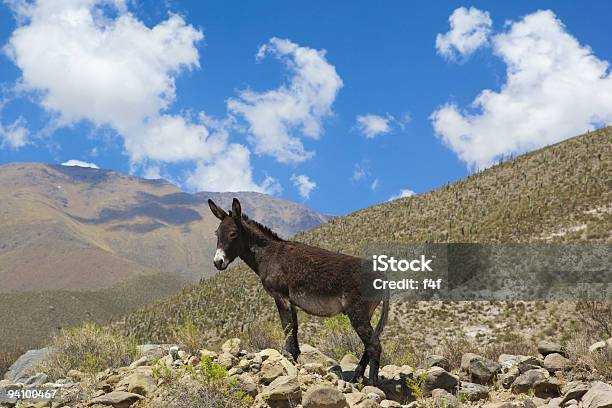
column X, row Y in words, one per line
column 233, row 235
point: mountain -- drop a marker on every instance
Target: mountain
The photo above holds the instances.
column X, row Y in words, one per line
column 561, row 193
column 81, row 244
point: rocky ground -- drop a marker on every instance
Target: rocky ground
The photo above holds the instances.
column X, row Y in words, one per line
column 166, row 376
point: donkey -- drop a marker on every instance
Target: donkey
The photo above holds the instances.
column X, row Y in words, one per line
column 320, row 282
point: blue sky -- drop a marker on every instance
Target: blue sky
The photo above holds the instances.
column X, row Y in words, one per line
column 338, row 105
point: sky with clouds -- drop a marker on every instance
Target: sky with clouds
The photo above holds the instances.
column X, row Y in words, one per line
column 336, row 107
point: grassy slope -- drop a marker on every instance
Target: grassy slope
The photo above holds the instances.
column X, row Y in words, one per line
column 562, row 192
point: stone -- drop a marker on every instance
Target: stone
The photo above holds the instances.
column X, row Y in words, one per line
column 482, row 370
column 348, row 363
column 573, row 390
column 389, row 404
column 37, row 379
column 506, row 380
column 546, row 347
column 437, row 377
column 227, row 360
column 444, row 399
column 232, row 346
column 246, row 383
column 368, row 389
column 547, row 388
column 141, row 384
column 76, row 375
column 314, row 368
column 598, row 396
column 324, row 396
column 525, row 381
column 283, row 388
column 526, row 363
column 466, row 360
column 116, row 399
column 174, row 353
column 142, row 361
column 373, row 396
column 18, row 371
column 312, row 355
column 570, row 403
column 434, row 360
column 208, row 354
column 394, row 372
column 274, row 366
column 599, row 346
column 556, row 362
column 472, row 392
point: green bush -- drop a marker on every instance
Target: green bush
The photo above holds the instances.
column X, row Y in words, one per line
column 90, row 349
column 339, row 338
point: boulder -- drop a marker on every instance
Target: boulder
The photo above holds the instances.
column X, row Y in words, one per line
column 116, row 399
column 506, row 380
column 246, row 383
column 546, row 347
column 348, row 363
column 36, row 380
column 525, row 381
column 324, row 396
column 466, row 360
column 599, row 346
column 437, row 377
column 141, row 384
column 434, row 360
column 312, row 355
column 389, row 404
column 227, row 360
column 394, row 372
column 547, row 388
column 284, row 388
column 472, row 392
column 556, row 362
column 27, row 362
column 360, row 400
column 274, row 366
column 598, row 396
column 482, row 370
column 444, row 399
column 526, row 363
column 368, row 389
column 232, row 346
column 573, row 390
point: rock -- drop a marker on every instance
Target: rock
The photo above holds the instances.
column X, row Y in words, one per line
column 555, row 362
column 373, row 396
column 506, row 380
column 472, row 392
column 141, row 384
column 547, row 388
column 525, row 381
column 116, row 399
column 482, row 370
column 154, row 351
column 274, row 366
column 466, row 360
column 247, row 384
column 348, row 363
column 311, row 355
column 390, row 404
column 37, row 379
column 174, row 353
column 76, row 375
column 598, row 396
column 368, row 389
column 570, row 403
column 573, row 390
column 232, row 346
column 283, row 388
column 26, row 363
column 142, row 361
column 526, row 363
column 314, row 368
column 393, row 372
column 208, row 354
column 444, row 399
column 434, row 360
column 437, row 377
column 546, row 347
column 599, row 346
column 227, row 360
column 360, row 400
column 324, row 396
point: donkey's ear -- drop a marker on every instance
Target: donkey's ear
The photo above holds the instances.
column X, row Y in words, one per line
column 218, row 212
column 236, row 209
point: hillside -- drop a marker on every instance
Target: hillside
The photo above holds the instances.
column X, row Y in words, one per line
column 81, row 244
column 559, row 193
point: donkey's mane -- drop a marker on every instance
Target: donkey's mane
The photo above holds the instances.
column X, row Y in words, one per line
column 267, row 232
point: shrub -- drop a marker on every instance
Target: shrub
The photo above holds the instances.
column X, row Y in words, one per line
column 188, row 336
column 6, row 360
column 597, row 316
column 339, row 338
column 583, row 361
column 263, row 335
column 90, row 349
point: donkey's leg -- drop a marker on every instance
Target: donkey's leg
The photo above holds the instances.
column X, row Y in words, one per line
column 294, row 332
column 361, row 323
column 285, row 313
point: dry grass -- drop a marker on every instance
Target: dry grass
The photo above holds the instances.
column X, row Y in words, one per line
column 585, row 364
column 262, row 335
column 90, row 349
column 6, row 360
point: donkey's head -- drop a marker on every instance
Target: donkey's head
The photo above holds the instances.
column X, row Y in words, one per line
column 229, row 234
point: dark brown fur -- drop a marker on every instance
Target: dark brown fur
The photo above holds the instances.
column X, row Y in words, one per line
column 318, row 281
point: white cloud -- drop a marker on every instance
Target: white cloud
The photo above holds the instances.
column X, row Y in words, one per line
column 373, row 125
column 304, row 185
column 152, row 172
column 277, row 118
column 403, row 193
column 375, row 185
column 15, row 135
column 79, row 163
column 231, row 171
column 469, row 30
column 555, row 88
column 360, row 172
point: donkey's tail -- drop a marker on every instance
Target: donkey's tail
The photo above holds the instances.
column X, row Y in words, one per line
column 384, row 314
